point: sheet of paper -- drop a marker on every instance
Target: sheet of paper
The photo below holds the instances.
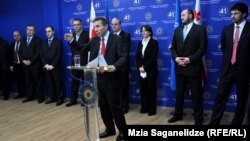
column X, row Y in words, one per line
column 143, row 75
column 97, row 62
column 102, row 61
column 93, row 63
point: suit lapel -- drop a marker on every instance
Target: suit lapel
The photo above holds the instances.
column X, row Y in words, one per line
column 147, row 47
column 189, row 33
column 110, row 40
column 180, row 36
column 231, row 36
column 243, row 34
column 181, row 33
column 25, row 41
column 96, row 48
column 51, row 44
column 121, row 33
column 28, row 45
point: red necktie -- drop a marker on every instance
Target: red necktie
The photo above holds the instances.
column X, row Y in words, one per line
column 103, row 49
column 236, row 38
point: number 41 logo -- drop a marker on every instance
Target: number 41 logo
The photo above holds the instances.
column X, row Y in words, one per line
column 223, row 11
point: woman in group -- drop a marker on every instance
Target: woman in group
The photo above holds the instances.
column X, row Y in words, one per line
column 146, row 61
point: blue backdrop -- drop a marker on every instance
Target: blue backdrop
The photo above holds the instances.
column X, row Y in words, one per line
column 159, row 14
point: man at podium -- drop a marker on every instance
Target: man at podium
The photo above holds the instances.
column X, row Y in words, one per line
column 110, row 47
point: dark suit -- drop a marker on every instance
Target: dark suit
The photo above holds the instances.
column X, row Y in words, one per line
column 233, row 74
column 4, row 67
column 32, row 72
column 148, row 86
column 109, row 83
column 17, row 68
column 83, row 39
column 51, row 55
column 194, row 46
column 124, row 74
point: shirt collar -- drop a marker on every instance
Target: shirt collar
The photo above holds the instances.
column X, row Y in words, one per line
column 78, row 34
column 51, row 38
column 29, row 37
column 189, row 25
column 106, row 36
column 146, row 40
column 118, row 32
column 241, row 25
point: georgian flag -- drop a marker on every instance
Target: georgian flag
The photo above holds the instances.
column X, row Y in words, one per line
column 92, row 32
column 197, row 20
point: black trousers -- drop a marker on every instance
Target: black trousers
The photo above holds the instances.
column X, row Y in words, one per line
column 195, row 86
column 33, row 83
column 109, row 100
column 4, row 82
column 124, row 90
column 224, row 87
column 75, row 83
column 20, row 79
column 55, row 84
column 148, row 88
column 248, row 114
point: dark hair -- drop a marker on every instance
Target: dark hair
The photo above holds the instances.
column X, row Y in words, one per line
column 51, row 27
column 31, row 25
column 191, row 12
column 120, row 22
column 147, row 28
column 100, row 18
column 242, row 7
column 77, row 19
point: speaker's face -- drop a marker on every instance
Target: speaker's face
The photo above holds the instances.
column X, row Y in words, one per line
column 100, row 29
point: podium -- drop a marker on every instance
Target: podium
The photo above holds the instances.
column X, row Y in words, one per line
column 88, row 93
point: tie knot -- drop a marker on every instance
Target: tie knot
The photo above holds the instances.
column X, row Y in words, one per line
column 102, row 38
column 237, row 26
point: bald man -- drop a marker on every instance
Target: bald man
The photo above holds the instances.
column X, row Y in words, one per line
column 16, row 65
column 124, row 74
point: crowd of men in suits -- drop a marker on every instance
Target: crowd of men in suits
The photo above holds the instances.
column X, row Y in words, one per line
column 27, row 57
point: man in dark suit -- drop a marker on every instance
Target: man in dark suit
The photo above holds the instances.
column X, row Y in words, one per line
column 4, row 65
column 124, row 74
column 81, row 37
column 51, row 53
column 29, row 54
column 235, row 67
column 189, row 44
column 16, row 64
column 110, row 46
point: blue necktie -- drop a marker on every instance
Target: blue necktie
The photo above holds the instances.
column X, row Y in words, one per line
column 49, row 42
column 28, row 41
